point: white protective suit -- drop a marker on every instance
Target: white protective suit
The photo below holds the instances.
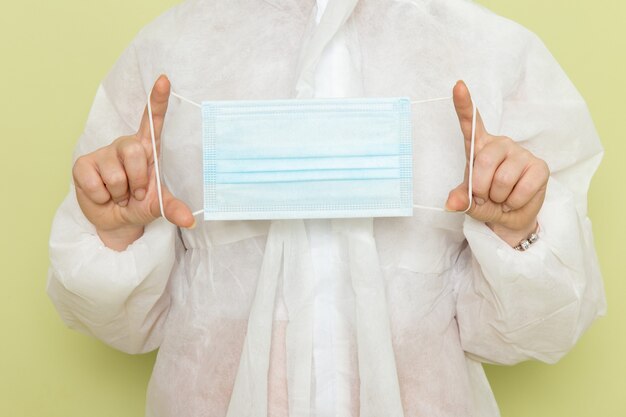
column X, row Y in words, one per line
column 345, row 317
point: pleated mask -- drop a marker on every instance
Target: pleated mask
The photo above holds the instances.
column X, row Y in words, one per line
column 307, row 158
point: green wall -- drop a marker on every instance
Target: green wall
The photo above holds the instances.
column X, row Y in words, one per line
column 54, row 53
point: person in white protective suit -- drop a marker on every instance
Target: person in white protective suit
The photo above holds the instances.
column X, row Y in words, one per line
column 403, row 310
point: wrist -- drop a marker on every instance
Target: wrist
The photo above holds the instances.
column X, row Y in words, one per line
column 513, row 236
column 119, row 239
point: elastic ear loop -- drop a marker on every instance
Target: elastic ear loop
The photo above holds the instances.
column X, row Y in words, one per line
column 471, row 158
column 195, row 213
column 157, row 170
column 155, row 157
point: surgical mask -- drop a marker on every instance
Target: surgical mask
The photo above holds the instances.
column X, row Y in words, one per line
column 308, row 158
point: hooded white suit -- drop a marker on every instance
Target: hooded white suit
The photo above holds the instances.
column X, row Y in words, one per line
column 343, row 317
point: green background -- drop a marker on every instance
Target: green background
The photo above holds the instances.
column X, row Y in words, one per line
column 53, row 55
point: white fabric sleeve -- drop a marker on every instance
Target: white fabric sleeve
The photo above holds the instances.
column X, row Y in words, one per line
column 511, row 305
column 122, row 297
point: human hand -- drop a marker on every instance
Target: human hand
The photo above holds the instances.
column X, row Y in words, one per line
column 116, row 184
column 509, row 182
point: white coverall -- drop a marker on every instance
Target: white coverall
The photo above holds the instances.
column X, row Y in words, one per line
column 372, row 317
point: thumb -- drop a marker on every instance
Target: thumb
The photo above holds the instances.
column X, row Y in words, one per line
column 176, row 211
column 464, row 107
column 458, row 198
column 159, row 99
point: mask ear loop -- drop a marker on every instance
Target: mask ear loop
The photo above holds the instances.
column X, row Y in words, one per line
column 470, row 175
column 155, row 157
column 157, row 170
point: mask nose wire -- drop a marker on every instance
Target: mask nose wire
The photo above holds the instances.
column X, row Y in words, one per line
column 430, row 100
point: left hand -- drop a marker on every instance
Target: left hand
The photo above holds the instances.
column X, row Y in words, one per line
column 509, row 182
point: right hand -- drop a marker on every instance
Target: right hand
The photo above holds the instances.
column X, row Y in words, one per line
column 116, row 185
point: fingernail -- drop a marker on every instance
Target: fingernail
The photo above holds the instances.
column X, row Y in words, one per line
column 479, row 201
column 123, row 203
column 193, row 226
column 506, row 208
column 140, row 193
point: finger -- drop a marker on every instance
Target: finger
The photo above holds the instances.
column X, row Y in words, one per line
column 114, row 177
column 176, row 211
column 486, row 163
column 88, row 180
column 133, row 156
column 464, row 110
column 507, row 175
column 533, row 181
column 458, row 199
column 159, row 99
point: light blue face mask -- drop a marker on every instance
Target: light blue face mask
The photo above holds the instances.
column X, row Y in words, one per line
column 307, row 158
column 312, row 158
